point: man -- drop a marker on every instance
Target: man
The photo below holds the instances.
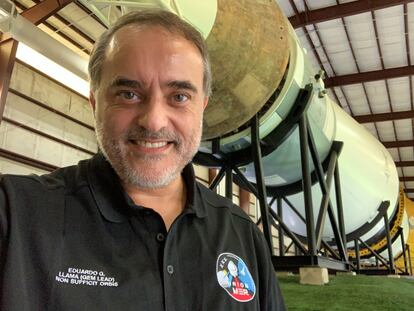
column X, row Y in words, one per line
column 130, row 229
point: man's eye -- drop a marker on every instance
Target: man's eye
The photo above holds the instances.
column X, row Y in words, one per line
column 180, row 98
column 128, row 95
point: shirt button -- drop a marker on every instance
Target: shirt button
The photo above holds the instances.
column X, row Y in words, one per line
column 170, row 269
column 160, row 237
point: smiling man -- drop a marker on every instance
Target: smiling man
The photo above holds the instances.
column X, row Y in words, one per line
column 149, row 115
column 131, row 229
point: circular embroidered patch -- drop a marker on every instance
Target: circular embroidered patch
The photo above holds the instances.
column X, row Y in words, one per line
column 234, row 276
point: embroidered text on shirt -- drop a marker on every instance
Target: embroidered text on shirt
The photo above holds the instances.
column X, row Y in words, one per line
column 87, row 277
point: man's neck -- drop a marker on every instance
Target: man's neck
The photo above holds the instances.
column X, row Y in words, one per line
column 168, row 201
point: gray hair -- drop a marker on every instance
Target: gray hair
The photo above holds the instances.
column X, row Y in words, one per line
column 164, row 19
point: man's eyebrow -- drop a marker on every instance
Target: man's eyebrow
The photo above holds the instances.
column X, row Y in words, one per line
column 134, row 84
column 187, row 85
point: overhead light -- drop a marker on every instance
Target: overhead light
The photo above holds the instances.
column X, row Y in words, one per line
column 7, row 10
column 52, row 69
column 39, row 50
column 3, row 13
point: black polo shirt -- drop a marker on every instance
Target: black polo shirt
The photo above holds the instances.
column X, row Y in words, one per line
column 73, row 240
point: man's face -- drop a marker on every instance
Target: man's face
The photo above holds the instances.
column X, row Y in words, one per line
column 149, row 105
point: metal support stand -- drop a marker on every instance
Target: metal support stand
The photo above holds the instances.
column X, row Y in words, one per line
column 229, row 184
column 217, row 179
column 261, row 189
column 227, row 169
column 323, row 174
column 281, row 234
column 391, row 266
column 289, row 246
column 358, row 263
column 307, row 186
column 409, row 258
column 404, row 251
column 377, row 257
column 314, row 233
column 340, row 209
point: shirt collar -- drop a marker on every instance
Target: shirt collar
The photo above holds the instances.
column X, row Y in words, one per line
column 115, row 204
column 194, row 202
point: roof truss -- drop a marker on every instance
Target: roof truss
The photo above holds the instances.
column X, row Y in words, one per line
column 341, row 10
column 369, row 76
column 404, row 163
column 388, row 116
column 407, row 178
column 398, row 143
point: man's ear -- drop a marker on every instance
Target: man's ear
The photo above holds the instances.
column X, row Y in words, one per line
column 205, row 102
column 92, row 101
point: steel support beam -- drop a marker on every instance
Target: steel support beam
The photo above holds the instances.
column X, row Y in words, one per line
column 407, row 178
column 341, row 10
column 229, row 184
column 288, row 232
column 306, row 186
column 8, row 50
column 281, row 233
column 368, row 76
column 389, row 244
column 289, row 246
column 243, row 181
column 340, row 210
column 377, row 256
column 261, row 188
column 381, row 117
column 326, row 192
column 357, row 256
column 41, row 11
column 404, row 163
column 399, row 143
column 404, row 250
column 293, row 208
column 217, row 179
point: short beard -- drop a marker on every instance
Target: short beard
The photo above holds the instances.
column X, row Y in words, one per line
column 111, row 147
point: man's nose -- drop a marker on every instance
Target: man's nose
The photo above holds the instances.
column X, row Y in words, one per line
column 154, row 114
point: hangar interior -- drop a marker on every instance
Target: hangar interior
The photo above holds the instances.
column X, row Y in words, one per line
column 360, row 50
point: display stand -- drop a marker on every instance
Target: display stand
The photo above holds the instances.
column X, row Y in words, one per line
column 325, row 174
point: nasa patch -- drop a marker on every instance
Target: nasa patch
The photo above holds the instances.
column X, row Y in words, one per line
column 234, row 276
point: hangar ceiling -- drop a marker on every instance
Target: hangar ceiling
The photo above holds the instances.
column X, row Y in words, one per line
column 364, row 47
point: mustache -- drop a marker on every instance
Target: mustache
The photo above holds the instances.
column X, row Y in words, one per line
column 141, row 133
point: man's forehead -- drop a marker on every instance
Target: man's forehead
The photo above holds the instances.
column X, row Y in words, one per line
column 134, row 34
column 140, row 53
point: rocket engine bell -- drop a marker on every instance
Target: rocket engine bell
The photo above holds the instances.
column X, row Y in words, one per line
column 249, row 52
